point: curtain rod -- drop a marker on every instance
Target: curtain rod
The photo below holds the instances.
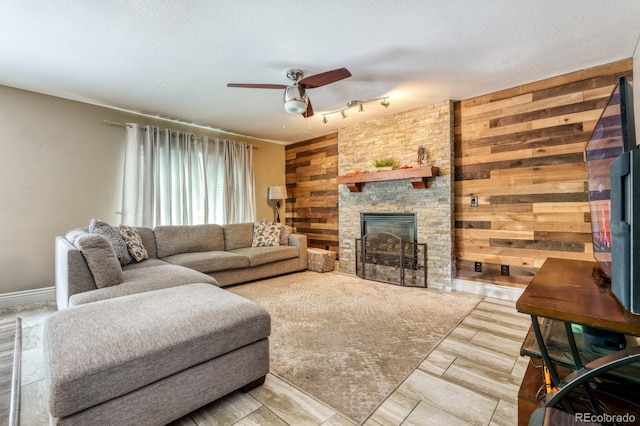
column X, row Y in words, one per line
column 116, row 123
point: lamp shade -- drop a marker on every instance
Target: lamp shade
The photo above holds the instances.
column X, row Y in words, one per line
column 277, row 192
column 295, row 100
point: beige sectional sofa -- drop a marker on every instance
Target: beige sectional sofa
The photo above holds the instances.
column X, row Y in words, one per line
column 177, row 255
column 146, row 341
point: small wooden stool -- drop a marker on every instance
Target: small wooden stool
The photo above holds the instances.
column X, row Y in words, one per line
column 320, row 260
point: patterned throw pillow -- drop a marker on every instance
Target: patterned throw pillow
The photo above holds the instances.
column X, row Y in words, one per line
column 266, row 234
column 133, row 241
column 109, row 232
column 285, row 232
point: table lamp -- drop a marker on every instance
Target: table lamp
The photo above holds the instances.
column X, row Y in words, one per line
column 278, row 192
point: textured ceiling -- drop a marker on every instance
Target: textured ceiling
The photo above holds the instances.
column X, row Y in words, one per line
column 173, row 59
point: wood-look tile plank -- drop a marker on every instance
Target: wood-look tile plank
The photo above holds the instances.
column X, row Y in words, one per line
column 520, row 367
column 291, row 404
column 506, row 414
column 505, row 345
column 486, row 380
column 427, row 415
column 395, row 409
column 464, row 332
column 262, row 417
column 227, row 410
column 482, row 356
column 437, row 362
column 494, row 325
column 337, row 420
column 445, row 395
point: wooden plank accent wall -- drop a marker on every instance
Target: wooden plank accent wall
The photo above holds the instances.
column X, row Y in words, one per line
column 312, row 207
column 520, row 151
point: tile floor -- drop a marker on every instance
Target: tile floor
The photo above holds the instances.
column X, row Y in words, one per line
column 471, row 378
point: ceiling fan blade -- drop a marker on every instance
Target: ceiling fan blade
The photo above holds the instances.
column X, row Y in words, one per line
column 258, row 86
column 324, row 78
column 309, row 112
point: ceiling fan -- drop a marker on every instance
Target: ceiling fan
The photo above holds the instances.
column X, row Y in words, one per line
column 295, row 97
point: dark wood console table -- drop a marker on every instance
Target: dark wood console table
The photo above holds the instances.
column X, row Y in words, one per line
column 565, row 292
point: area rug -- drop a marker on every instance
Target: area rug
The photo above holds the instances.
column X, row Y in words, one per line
column 350, row 342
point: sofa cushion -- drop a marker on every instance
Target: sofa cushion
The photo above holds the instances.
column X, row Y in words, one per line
column 266, row 234
column 262, row 255
column 175, row 239
column 101, row 259
column 141, row 280
column 285, row 233
column 209, row 261
column 140, row 339
column 113, row 236
column 237, row 235
column 144, row 264
column 134, row 243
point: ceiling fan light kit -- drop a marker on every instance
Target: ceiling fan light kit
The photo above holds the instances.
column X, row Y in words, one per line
column 295, row 99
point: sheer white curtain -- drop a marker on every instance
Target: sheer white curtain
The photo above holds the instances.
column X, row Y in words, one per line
column 175, row 178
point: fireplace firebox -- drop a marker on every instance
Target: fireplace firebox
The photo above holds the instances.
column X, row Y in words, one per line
column 388, row 250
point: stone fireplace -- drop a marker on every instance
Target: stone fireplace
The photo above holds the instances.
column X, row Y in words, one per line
column 400, row 136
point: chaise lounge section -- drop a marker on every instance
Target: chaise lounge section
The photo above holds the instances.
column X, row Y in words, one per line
column 151, row 358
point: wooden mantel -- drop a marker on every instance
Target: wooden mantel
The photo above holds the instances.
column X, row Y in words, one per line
column 417, row 175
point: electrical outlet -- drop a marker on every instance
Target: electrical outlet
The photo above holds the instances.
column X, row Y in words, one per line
column 478, row 266
column 504, row 269
column 474, row 201
column 326, row 247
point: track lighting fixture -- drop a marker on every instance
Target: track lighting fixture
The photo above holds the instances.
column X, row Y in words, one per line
column 353, row 103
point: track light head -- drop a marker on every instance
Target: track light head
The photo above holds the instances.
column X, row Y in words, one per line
column 355, row 103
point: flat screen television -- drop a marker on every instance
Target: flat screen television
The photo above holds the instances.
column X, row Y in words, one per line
column 613, row 179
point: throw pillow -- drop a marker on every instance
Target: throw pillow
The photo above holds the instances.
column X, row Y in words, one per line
column 102, row 228
column 101, row 259
column 285, row 232
column 265, row 234
column 133, row 240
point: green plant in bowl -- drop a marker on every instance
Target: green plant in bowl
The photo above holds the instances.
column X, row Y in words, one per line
column 386, row 162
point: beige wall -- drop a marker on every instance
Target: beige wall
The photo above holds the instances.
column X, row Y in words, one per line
column 61, row 165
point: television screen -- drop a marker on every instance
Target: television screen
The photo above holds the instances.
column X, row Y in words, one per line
column 613, row 185
column 606, row 144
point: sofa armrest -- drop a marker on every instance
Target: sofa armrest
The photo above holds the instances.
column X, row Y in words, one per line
column 300, row 241
column 72, row 273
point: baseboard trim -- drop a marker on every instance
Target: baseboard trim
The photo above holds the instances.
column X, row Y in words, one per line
column 488, row 290
column 27, row 297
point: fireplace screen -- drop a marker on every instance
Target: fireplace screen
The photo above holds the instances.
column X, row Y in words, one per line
column 386, row 257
